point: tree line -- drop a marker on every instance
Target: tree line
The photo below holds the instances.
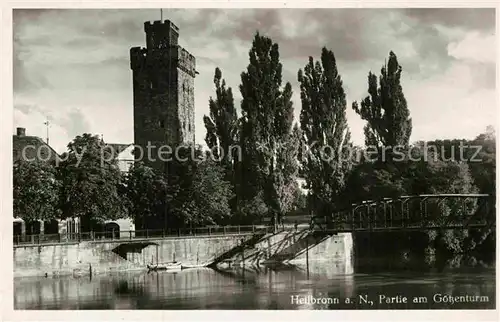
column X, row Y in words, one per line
column 260, row 183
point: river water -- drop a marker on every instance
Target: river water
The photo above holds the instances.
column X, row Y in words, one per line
column 313, row 286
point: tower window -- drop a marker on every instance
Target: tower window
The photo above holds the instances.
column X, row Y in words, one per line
column 153, row 84
column 161, row 123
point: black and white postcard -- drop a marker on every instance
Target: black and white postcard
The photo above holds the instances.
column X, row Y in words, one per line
column 340, row 159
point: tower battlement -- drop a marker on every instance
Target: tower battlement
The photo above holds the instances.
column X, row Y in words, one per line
column 168, row 23
column 137, row 57
column 186, row 62
column 161, row 34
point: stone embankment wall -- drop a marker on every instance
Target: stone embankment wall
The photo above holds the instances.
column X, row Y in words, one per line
column 112, row 256
column 95, row 257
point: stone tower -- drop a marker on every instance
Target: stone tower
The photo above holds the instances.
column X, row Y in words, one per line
column 163, row 85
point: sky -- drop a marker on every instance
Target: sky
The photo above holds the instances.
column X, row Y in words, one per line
column 71, row 66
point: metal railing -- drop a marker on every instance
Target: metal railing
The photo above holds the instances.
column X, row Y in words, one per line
column 140, row 234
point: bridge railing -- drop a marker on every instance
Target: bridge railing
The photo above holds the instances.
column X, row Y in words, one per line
column 408, row 212
column 140, row 234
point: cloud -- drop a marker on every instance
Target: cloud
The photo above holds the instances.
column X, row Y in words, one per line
column 77, row 122
column 446, row 107
column 72, row 66
column 475, row 47
column 467, row 18
column 477, row 51
column 302, row 32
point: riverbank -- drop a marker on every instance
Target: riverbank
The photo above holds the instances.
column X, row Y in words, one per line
column 98, row 257
column 91, row 258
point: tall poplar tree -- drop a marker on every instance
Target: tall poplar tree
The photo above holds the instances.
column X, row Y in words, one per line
column 326, row 133
column 222, row 127
column 266, row 128
column 222, row 122
column 385, row 110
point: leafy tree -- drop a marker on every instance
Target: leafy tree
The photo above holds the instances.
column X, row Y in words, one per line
column 145, row 193
column 300, row 203
column 385, row 110
column 481, row 174
column 222, row 123
column 222, row 127
column 438, row 176
column 91, row 182
column 483, row 165
column 181, row 211
column 251, row 210
column 211, row 193
column 285, row 185
column 373, row 181
column 266, row 125
column 36, row 192
column 327, row 136
column 483, row 171
column 200, row 193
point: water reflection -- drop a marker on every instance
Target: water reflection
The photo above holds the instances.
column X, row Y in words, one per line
column 253, row 288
